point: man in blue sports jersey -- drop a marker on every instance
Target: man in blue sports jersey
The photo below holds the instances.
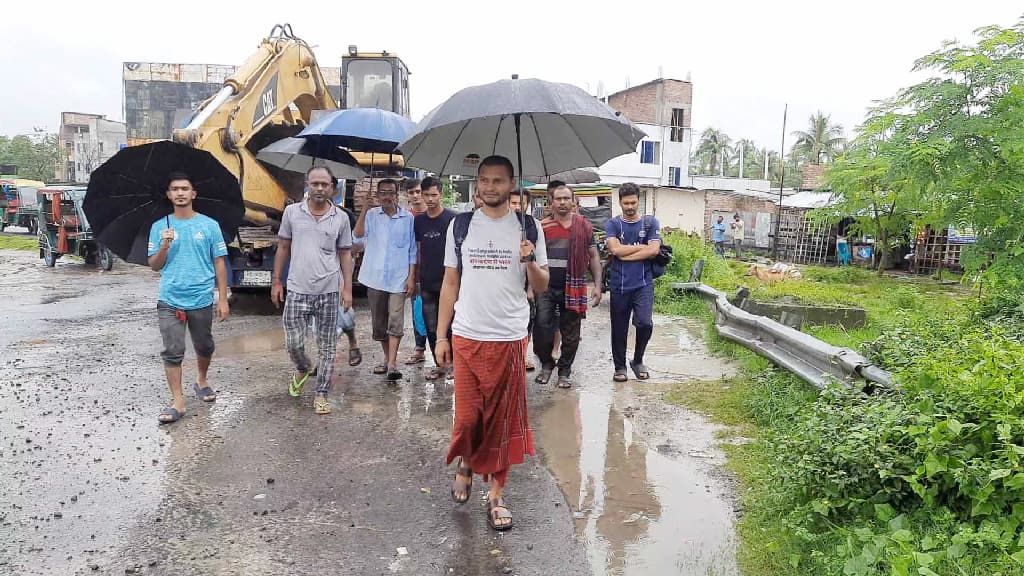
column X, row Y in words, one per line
column 632, row 240
column 188, row 250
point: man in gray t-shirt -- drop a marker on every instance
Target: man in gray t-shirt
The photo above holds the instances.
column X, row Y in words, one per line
column 315, row 241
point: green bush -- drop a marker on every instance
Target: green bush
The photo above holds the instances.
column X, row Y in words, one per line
column 924, row 480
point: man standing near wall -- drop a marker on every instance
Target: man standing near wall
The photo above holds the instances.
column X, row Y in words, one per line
column 388, row 270
column 632, row 241
column 737, row 235
column 718, row 236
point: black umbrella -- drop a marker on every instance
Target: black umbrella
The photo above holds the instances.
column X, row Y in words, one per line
column 128, row 193
column 543, row 127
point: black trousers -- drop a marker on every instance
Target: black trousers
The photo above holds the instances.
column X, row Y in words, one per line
column 551, row 315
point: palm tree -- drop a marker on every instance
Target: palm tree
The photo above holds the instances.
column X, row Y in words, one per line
column 749, row 152
column 713, row 151
column 821, row 142
column 756, row 164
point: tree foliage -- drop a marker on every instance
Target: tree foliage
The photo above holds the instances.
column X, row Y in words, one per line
column 955, row 143
column 821, row 142
column 36, row 155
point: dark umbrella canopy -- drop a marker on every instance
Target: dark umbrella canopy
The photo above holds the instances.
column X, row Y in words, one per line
column 569, row 177
column 300, row 154
column 128, row 193
column 360, row 129
column 561, row 128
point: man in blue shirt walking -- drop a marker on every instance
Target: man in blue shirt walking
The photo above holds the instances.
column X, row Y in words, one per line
column 632, row 240
column 388, row 270
column 188, row 250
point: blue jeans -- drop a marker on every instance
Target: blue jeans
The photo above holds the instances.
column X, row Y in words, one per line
column 638, row 304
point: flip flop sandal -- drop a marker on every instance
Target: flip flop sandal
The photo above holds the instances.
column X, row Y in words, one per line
column 544, row 376
column 295, row 388
column 640, row 370
column 434, row 374
column 355, row 357
column 394, row 376
column 494, row 513
column 322, row 407
column 380, row 369
column 461, row 485
column 620, row 376
column 205, row 394
column 529, row 366
column 416, row 359
column 172, row 413
column 564, row 382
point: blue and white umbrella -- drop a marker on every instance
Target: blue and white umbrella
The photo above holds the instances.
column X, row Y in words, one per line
column 360, row 130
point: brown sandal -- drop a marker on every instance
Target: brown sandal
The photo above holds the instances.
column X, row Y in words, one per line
column 494, row 513
column 462, row 486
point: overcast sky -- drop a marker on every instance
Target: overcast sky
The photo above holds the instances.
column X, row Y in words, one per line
column 746, row 59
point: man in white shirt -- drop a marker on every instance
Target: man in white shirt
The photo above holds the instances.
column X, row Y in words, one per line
column 489, row 255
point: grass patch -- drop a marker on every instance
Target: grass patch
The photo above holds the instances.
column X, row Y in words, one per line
column 927, row 479
column 8, row 242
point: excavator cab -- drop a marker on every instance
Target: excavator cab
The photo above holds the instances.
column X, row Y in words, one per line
column 374, row 80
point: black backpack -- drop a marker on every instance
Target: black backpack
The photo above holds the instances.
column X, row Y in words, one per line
column 460, row 229
column 664, row 257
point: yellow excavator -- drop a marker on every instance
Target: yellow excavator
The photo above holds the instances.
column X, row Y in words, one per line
column 274, row 95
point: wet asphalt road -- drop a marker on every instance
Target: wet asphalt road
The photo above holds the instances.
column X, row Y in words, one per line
column 255, row 483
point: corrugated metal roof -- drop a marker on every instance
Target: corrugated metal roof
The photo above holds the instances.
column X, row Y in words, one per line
column 808, row 200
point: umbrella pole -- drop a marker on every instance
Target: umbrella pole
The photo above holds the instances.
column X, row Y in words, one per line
column 519, row 159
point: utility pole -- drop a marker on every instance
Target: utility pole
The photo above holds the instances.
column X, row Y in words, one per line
column 782, row 178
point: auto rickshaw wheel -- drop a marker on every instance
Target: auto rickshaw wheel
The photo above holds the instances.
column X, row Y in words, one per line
column 106, row 259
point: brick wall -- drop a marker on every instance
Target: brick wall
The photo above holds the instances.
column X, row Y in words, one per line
column 720, row 202
column 639, row 103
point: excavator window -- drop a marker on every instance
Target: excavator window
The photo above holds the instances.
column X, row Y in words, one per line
column 370, row 84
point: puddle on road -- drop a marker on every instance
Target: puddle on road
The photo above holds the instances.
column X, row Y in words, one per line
column 636, row 472
column 257, row 342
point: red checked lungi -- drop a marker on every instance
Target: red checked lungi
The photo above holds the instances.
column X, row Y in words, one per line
column 491, row 430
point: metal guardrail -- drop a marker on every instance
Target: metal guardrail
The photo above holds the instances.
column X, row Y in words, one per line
column 816, row 362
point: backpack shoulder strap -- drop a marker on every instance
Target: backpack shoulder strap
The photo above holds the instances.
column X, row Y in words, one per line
column 460, row 229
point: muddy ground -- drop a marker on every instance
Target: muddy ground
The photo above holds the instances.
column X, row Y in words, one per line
column 257, row 484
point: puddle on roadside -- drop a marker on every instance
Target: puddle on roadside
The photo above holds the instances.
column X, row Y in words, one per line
column 636, row 472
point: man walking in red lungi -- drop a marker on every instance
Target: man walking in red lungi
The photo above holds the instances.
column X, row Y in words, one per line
column 489, row 254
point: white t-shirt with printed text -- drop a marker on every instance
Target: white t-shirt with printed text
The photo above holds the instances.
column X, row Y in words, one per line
column 492, row 305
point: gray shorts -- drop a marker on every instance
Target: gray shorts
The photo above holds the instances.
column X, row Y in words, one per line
column 387, row 311
column 200, row 328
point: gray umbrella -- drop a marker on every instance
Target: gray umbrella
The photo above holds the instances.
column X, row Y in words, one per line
column 299, row 155
column 570, row 177
column 543, row 127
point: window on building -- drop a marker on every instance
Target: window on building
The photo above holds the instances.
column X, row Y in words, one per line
column 677, row 125
column 650, row 152
column 675, row 176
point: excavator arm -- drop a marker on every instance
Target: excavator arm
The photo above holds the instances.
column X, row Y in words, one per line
column 269, row 97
